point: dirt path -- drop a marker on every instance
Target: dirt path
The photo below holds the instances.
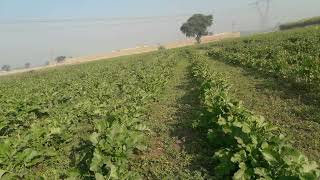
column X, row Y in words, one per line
column 176, row 151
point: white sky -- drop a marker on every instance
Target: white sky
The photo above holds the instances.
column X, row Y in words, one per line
column 36, row 42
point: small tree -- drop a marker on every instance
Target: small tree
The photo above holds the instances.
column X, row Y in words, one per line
column 5, row 68
column 27, row 65
column 60, row 59
column 161, row 48
column 197, row 26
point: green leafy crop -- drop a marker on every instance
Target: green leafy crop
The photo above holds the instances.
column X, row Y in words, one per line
column 245, row 146
column 291, row 55
column 79, row 122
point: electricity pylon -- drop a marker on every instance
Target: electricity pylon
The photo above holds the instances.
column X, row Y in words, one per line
column 263, row 7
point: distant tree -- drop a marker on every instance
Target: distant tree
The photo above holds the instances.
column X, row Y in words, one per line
column 60, row 59
column 47, row 63
column 5, row 68
column 196, row 26
column 161, row 48
column 27, row 65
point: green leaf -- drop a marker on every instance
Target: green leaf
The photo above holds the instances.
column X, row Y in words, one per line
column 31, row 156
column 246, row 128
column 308, row 167
column 112, row 171
column 241, row 173
column 142, row 127
column 2, row 172
column 55, row 131
column 239, row 157
column 94, row 138
column 264, row 145
column 268, row 156
column 5, row 148
column 262, row 172
column 99, row 176
column 141, row 147
column 96, row 162
column 240, row 141
column 222, row 121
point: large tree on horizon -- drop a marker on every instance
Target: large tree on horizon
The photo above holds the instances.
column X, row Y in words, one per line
column 197, row 26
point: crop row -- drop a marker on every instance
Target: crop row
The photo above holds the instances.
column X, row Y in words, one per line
column 292, row 55
column 245, row 145
column 83, row 121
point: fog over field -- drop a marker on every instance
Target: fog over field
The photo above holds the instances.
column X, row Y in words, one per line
column 38, row 33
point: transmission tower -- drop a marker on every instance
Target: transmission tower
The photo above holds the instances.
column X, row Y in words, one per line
column 233, row 25
column 263, row 8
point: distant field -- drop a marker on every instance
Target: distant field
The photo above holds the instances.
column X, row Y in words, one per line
column 291, row 55
column 243, row 108
column 126, row 52
column 301, row 23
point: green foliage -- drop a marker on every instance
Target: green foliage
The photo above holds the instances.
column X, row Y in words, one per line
column 196, row 26
column 245, row 145
column 291, row 55
column 301, row 23
column 80, row 122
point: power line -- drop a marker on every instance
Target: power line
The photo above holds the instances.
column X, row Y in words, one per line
column 98, row 19
column 62, row 26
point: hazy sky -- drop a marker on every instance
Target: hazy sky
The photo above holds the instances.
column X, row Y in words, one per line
column 36, row 30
